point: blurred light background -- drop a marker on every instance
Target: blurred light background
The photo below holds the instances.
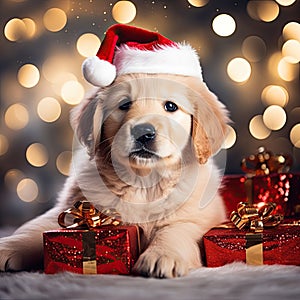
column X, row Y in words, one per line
column 250, row 52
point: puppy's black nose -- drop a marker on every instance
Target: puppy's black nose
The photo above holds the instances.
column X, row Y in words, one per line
column 143, row 133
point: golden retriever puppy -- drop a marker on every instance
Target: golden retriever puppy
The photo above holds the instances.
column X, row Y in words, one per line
column 146, row 147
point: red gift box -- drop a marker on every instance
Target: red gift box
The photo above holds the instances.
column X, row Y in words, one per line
column 280, row 245
column 104, row 250
column 282, row 189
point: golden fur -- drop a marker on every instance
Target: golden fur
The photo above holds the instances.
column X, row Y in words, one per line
column 168, row 186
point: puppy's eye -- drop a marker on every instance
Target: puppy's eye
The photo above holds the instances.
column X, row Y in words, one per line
column 125, row 104
column 170, row 106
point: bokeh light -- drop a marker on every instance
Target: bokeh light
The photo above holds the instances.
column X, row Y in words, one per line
column 198, row 3
column 88, row 44
column 52, row 66
column 3, row 144
column 275, row 95
column 15, row 30
column 27, row 190
column 224, row 25
column 291, row 31
column 262, row 10
column 63, row 162
column 28, row 75
column 285, row 2
column 16, row 116
column 268, row 11
column 72, row 92
column 230, row 138
column 30, row 27
column 49, row 109
column 124, row 12
column 274, row 117
column 295, row 135
column 258, row 129
column 55, row 19
column 291, row 51
column 60, row 79
column 273, row 62
column 12, row 177
column 287, row 71
column 37, row 155
column 254, row 48
column 239, row 69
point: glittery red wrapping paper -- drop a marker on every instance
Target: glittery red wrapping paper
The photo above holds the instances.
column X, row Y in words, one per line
column 281, row 245
column 116, row 250
column 282, row 189
column 233, row 191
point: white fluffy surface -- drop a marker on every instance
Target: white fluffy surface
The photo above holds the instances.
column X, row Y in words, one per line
column 234, row 281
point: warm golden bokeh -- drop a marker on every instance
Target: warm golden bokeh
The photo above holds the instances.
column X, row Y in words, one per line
column 4, row 145
column 285, row 2
column 230, row 138
column 72, row 92
column 63, row 162
column 88, row 44
column 16, row 116
column 275, row 95
column 224, row 25
column 263, row 10
column 27, row 190
column 49, row 109
column 15, row 30
column 28, row 75
column 258, row 129
column 124, row 12
column 291, row 31
column 37, row 155
column 12, row 177
column 198, row 3
column 254, row 48
column 239, row 69
column 287, row 71
column 274, row 117
column 55, row 19
column 291, row 51
column 295, row 135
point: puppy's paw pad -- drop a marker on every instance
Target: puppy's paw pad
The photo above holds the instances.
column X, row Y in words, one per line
column 152, row 264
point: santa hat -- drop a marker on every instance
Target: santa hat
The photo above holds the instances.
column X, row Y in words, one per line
column 127, row 49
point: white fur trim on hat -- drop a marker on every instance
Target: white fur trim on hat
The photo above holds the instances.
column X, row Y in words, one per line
column 98, row 72
column 180, row 59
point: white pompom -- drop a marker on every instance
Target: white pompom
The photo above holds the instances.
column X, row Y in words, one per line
column 98, row 72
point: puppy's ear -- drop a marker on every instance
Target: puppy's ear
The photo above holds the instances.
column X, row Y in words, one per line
column 86, row 120
column 209, row 126
column 201, row 142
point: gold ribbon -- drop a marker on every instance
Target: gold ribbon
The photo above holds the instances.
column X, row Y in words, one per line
column 84, row 214
column 265, row 163
column 256, row 217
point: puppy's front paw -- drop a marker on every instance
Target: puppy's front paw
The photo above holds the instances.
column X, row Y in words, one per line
column 17, row 253
column 8, row 258
column 160, row 264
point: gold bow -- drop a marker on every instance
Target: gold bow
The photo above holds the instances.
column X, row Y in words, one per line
column 83, row 213
column 265, row 163
column 255, row 216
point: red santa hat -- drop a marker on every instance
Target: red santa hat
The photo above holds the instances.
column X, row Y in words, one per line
column 127, row 49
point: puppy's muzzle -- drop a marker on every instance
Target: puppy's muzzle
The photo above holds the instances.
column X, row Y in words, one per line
column 143, row 134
